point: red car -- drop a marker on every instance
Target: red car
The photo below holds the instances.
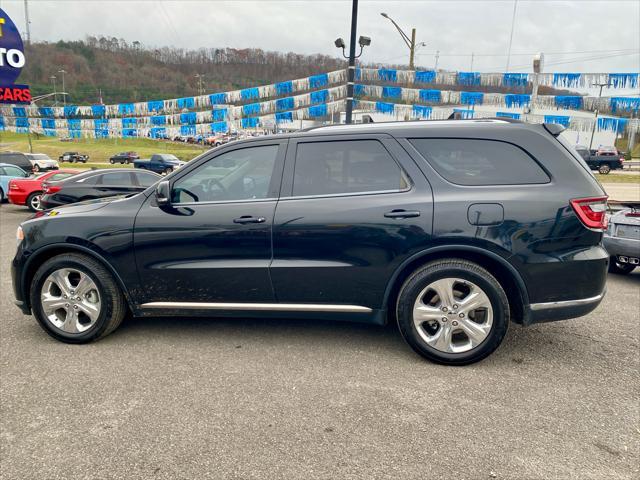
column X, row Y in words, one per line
column 27, row 191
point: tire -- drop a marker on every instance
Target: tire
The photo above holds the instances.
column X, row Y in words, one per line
column 1, row 195
column 126, row 162
column 604, row 169
column 110, row 312
column 33, row 202
column 36, row 168
column 620, row 268
column 168, row 171
column 112, row 161
column 488, row 323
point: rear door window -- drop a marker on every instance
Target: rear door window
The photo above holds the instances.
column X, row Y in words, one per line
column 345, row 167
column 480, row 162
column 119, row 179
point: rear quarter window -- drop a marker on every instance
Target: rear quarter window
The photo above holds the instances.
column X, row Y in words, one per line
column 480, row 162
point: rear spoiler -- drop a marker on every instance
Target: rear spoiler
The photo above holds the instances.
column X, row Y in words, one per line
column 554, row 129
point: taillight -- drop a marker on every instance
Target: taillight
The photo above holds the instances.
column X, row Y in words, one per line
column 51, row 189
column 591, row 212
column 14, row 186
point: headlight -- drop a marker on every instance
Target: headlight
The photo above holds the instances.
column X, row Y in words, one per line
column 19, row 235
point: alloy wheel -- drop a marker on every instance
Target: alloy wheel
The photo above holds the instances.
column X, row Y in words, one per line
column 453, row 315
column 35, row 202
column 70, row 300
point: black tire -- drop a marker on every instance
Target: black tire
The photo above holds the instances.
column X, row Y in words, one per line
column 620, row 268
column 464, row 270
column 168, row 171
column 112, row 161
column 36, row 168
column 126, row 162
column 1, row 195
column 604, row 169
column 113, row 309
column 30, row 202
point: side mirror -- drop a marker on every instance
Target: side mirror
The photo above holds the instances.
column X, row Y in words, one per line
column 163, row 193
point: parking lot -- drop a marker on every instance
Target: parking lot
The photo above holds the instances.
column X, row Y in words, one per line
column 173, row 398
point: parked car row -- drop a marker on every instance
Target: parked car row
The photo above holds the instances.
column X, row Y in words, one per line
column 29, row 162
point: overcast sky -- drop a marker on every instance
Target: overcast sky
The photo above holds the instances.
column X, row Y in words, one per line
column 580, row 36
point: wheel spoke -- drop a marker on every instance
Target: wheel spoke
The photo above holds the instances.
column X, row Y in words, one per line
column 91, row 310
column 50, row 303
column 424, row 313
column 442, row 338
column 61, row 279
column 476, row 299
column 444, row 289
column 476, row 332
column 70, row 324
column 85, row 285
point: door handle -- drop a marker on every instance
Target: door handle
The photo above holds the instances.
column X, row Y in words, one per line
column 249, row 219
column 399, row 213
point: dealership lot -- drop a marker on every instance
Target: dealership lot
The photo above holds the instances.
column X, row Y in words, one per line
column 198, row 398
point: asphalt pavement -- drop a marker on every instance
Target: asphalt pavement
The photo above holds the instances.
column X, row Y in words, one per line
column 194, row 398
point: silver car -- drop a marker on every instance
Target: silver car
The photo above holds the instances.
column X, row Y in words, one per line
column 41, row 162
column 622, row 239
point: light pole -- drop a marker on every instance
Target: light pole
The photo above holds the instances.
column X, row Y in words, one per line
column 64, row 92
column 55, row 92
column 595, row 119
column 351, row 71
column 411, row 42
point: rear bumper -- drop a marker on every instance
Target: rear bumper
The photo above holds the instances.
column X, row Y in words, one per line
column 17, row 198
column 563, row 310
column 622, row 246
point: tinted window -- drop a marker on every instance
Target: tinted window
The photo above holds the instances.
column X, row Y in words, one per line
column 237, row 175
column 14, row 172
column 325, row 168
column 59, row 176
column 146, row 179
column 116, row 178
column 480, row 162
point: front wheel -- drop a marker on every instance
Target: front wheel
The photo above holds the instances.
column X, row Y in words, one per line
column 452, row 311
column 36, row 168
column 33, row 202
column 604, row 169
column 126, row 162
column 112, row 161
column 620, row 268
column 168, row 171
column 76, row 299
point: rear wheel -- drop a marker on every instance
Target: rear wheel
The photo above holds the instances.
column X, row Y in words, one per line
column 1, row 195
column 112, row 161
column 453, row 311
column 33, row 201
column 76, row 299
column 36, row 168
column 604, row 169
column 168, row 171
column 126, row 162
column 620, row 268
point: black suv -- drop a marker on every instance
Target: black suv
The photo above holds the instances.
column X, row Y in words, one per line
column 124, row 157
column 450, row 228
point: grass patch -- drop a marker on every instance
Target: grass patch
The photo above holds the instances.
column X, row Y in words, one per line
column 99, row 150
column 613, row 178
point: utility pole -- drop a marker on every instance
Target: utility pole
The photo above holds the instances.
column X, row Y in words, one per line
column 64, row 92
column 513, row 23
column 200, row 78
column 410, row 42
column 351, row 71
column 55, row 91
column 471, row 67
column 412, row 52
column 27, row 21
column 595, row 119
column 435, row 67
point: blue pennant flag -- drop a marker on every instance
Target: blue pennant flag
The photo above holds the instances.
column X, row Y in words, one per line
column 158, row 132
column 159, row 120
column 250, row 122
column 471, row 98
column 48, row 132
column 384, row 107
column 433, row 96
column 318, row 111
column 129, row 122
column 284, row 88
column 45, row 111
column 155, row 105
column 624, row 80
column 563, row 120
column 249, row 93
column 188, row 118
column 129, row 132
column 70, row 111
column 464, row 113
column 391, row 92
column 125, row 109
column 284, row 117
column 218, row 98
column 321, row 96
column 515, row 79
column 186, row 102
column 612, row 124
column 101, row 133
column 218, row 127
column 387, row 74
column 1, row 122
column 468, row 78
column 284, row 103
column 101, row 128
column 98, row 110
column 515, row 116
column 358, row 90
column 19, row 111
column 566, row 79
column 357, row 74
column 516, row 100
column 251, row 109
column 572, row 102
column 428, row 76
column 626, row 104
column 421, row 111
column 22, row 122
column 73, row 124
column 187, row 130
column 48, row 123
column 218, row 114
column 317, row 81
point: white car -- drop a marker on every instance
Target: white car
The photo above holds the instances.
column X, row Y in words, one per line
column 42, row 162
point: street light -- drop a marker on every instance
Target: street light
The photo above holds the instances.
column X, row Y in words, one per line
column 410, row 42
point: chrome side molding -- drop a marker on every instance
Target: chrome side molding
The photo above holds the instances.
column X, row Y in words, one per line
column 283, row 307
column 567, row 303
